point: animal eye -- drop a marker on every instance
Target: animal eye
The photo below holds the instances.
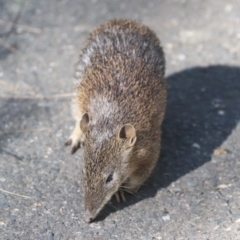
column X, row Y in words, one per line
column 109, row 178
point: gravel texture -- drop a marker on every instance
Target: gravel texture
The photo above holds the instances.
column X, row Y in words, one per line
column 194, row 192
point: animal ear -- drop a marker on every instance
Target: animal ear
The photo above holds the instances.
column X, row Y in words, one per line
column 128, row 132
column 84, row 122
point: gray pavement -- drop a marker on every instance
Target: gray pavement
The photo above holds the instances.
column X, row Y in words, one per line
column 194, row 192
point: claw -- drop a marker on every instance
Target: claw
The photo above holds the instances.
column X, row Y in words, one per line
column 122, row 195
column 68, row 142
column 75, row 143
column 76, row 139
column 118, row 195
column 75, row 148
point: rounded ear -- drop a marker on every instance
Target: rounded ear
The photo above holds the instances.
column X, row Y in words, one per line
column 84, row 122
column 128, row 132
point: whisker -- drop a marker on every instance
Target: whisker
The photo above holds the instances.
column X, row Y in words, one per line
column 126, row 187
column 126, row 190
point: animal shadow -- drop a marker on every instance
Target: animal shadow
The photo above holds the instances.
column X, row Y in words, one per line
column 203, row 107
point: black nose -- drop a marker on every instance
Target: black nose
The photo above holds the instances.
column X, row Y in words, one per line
column 88, row 216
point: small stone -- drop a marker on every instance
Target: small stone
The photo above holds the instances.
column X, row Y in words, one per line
column 157, row 235
column 216, row 228
column 222, row 186
column 181, row 57
column 196, row 145
column 166, row 218
column 221, row 112
column 237, row 220
column 2, row 224
column 169, row 45
column 37, row 204
column 228, row 8
column 49, row 150
column 220, row 151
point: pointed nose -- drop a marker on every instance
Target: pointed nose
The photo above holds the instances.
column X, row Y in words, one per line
column 88, row 216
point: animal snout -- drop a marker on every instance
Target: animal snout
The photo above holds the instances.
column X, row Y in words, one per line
column 88, row 216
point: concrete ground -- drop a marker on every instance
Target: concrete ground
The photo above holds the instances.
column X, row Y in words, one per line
column 194, row 192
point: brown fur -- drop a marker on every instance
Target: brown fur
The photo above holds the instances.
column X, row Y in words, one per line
column 120, row 81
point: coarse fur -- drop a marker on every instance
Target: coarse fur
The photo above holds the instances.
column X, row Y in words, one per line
column 119, row 106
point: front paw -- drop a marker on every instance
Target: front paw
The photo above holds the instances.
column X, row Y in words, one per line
column 74, row 143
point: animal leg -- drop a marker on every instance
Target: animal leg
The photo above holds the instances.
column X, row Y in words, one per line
column 76, row 139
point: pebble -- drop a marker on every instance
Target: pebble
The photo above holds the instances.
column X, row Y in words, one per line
column 196, row 145
column 181, row 57
column 221, row 112
column 166, row 218
column 219, row 151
